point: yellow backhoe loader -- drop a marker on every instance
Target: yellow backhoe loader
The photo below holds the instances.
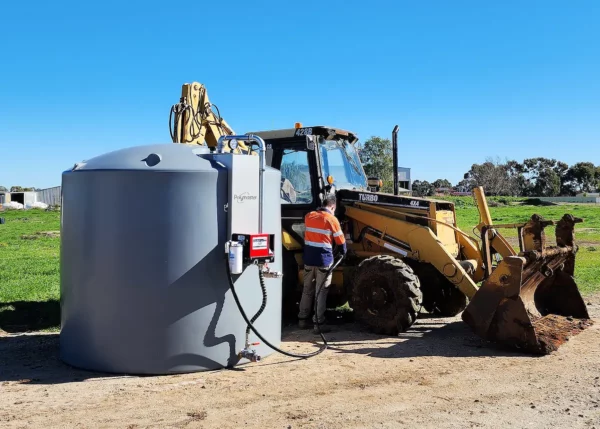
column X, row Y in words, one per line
column 406, row 253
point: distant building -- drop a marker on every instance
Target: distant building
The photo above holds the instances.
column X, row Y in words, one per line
column 443, row 191
column 25, row 198
column 50, row 196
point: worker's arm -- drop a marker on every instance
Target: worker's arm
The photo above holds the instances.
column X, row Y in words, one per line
column 338, row 234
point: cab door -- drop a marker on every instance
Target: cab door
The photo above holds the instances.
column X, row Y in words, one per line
column 300, row 183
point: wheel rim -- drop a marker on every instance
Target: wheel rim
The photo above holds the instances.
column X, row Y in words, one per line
column 378, row 300
column 377, row 297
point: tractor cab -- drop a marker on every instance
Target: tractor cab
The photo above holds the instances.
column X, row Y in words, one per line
column 313, row 161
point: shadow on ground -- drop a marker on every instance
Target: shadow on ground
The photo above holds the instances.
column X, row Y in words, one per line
column 34, row 358
column 24, row 316
column 429, row 336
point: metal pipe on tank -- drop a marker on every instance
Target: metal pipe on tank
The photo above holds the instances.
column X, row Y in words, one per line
column 261, row 161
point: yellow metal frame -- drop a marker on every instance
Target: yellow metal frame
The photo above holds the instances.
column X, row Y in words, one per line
column 289, row 242
column 195, row 121
column 497, row 241
column 424, row 245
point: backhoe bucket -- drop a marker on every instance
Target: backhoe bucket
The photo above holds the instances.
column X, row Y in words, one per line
column 531, row 301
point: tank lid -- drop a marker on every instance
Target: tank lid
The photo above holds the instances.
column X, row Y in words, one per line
column 158, row 157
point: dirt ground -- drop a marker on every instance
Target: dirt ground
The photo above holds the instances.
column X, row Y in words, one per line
column 438, row 375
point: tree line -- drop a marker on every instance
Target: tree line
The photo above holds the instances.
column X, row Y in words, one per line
column 18, row 189
column 541, row 177
column 534, row 177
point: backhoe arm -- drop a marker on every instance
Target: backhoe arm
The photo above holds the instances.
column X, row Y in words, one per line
column 193, row 120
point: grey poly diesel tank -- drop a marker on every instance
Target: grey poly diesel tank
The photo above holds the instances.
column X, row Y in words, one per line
column 144, row 288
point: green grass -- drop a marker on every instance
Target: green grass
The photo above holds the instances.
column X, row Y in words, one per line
column 461, row 202
column 29, row 270
column 587, row 234
column 29, row 259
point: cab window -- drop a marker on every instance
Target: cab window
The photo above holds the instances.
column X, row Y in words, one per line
column 295, row 177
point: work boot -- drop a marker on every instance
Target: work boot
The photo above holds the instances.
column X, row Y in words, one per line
column 323, row 327
column 303, row 324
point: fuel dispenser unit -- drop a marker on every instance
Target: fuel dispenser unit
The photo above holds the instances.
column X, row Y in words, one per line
column 253, row 246
column 160, row 250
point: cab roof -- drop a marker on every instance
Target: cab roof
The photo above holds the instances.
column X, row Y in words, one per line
column 321, row 130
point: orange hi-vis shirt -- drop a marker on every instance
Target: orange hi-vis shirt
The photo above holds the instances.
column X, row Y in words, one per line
column 322, row 230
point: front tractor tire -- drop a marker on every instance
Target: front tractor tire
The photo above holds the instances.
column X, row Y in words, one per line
column 386, row 295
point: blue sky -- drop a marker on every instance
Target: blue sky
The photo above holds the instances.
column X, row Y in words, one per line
column 463, row 79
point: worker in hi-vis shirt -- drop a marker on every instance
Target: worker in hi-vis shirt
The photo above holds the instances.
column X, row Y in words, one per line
column 322, row 231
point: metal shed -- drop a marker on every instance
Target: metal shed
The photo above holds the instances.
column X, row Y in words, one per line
column 50, row 196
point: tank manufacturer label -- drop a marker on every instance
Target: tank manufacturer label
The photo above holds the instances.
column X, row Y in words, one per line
column 240, row 198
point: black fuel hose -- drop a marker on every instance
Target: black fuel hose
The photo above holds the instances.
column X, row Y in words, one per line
column 336, row 262
column 264, row 293
column 263, row 288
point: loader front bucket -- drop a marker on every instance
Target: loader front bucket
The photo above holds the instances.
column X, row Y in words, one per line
column 531, row 301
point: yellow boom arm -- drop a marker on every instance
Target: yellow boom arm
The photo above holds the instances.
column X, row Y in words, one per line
column 193, row 120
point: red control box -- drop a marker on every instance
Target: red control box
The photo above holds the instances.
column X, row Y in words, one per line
column 257, row 247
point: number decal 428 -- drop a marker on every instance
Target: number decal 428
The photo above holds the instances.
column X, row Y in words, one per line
column 414, row 203
column 304, row 132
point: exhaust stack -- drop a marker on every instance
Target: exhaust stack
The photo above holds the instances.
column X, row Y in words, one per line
column 395, row 157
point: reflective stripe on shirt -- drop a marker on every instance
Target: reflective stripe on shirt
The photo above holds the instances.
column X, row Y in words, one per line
column 319, row 231
column 314, row 244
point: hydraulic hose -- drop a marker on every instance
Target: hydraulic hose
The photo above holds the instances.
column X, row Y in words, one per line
column 264, row 293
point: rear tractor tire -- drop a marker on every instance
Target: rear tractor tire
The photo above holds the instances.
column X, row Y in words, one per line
column 451, row 301
column 386, row 295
